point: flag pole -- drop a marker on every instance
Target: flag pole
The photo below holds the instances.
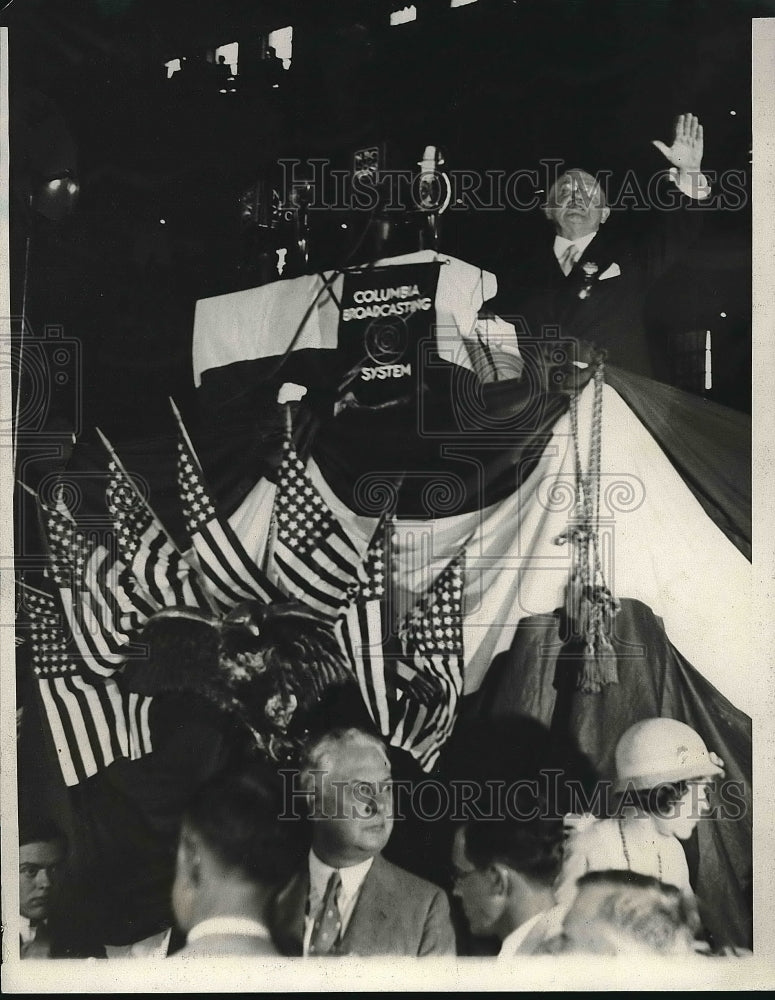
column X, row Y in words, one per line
column 184, row 555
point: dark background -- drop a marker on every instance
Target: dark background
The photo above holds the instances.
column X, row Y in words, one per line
column 498, row 84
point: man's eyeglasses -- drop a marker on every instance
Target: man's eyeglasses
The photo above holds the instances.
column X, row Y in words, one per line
column 31, row 871
column 457, row 876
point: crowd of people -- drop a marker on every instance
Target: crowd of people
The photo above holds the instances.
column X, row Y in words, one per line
column 291, row 862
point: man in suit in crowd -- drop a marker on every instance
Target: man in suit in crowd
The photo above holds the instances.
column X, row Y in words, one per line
column 233, row 854
column 504, row 869
column 347, row 899
column 42, row 851
column 591, row 283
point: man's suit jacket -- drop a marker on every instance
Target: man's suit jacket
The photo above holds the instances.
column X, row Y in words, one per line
column 396, row 914
column 535, row 294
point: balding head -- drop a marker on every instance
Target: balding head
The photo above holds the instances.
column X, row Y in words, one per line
column 618, row 912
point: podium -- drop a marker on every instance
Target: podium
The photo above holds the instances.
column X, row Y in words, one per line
column 392, row 357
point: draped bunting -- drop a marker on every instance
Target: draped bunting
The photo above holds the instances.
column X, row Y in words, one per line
column 660, row 547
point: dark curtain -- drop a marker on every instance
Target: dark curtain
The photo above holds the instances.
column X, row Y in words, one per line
column 534, row 679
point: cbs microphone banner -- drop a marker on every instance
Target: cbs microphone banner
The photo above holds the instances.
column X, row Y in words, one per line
column 385, row 313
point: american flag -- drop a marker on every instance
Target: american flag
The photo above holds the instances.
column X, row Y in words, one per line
column 314, row 558
column 432, row 642
column 101, row 605
column 162, row 574
column 360, row 632
column 231, row 574
column 92, row 724
column 412, row 692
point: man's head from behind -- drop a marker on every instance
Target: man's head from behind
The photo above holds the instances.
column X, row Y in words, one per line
column 623, row 912
column 346, row 773
column 234, row 850
column 576, row 205
column 42, row 851
column 504, row 870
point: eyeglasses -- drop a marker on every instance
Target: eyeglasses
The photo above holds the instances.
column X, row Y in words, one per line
column 31, row 871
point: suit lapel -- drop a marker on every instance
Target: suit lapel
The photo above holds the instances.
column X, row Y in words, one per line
column 288, row 913
column 365, row 931
column 601, row 250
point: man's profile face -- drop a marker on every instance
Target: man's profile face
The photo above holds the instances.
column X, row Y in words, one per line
column 683, row 815
column 353, row 816
column 576, row 205
column 483, row 908
column 39, row 864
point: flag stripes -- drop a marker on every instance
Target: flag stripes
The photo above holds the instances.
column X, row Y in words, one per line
column 133, row 605
column 92, row 724
column 86, row 574
column 360, row 631
column 432, row 639
column 413, row 691
column 314, row 557
column 162, row 572
column 227, row 567
column 231, row 574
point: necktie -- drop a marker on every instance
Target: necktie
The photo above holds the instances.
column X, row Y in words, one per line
column 569, row 257
column 328, row 922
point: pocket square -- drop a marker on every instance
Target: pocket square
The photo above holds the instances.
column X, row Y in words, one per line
column 612, row 271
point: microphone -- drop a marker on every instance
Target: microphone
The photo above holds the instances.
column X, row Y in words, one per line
column 433, row 190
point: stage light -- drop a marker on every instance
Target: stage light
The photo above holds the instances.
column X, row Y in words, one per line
column 56, row 196
column 230, row 55
column 281, row 41
column 403, row 16
column 344, row 225
column 162, row 222
column 733, row 112
column 723, row 315
column 282, row 253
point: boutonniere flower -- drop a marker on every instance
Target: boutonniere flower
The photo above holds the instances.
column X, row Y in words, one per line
column 589, row 269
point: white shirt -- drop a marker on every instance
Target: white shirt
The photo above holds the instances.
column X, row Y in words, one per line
column 319, row 875
column 684, row 184
column 26, row 931
column 561, row 244
column 227, row 925
column 551, row 920
column 154, row 946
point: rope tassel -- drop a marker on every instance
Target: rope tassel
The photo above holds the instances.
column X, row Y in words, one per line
column 589, row 604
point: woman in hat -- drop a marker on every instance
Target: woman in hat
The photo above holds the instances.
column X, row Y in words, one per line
column 663, row 770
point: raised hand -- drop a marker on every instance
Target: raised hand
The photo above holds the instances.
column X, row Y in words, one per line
column 686, row 150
